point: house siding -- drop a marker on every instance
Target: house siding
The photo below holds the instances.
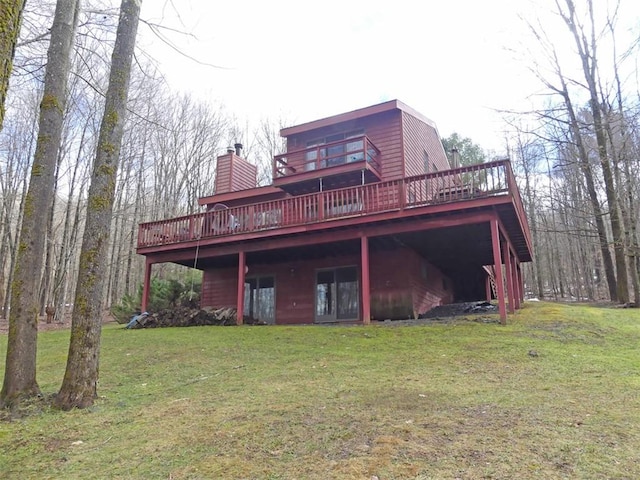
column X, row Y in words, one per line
column 394, row 293
column 404, row 285
column 419, row 138
column 429, row 286
column 234, row 174
column 383, row 129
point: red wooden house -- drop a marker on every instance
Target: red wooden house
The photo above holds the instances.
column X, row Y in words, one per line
column 365, row 219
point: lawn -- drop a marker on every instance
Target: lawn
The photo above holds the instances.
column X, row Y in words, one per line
column 554, row 394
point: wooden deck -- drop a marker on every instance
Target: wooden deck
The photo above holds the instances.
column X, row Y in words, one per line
column 489, row 180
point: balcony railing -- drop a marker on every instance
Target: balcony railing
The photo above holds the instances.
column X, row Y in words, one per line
column 351, row 150
column 476, row 181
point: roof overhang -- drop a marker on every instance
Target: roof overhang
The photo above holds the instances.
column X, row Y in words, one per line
column 356, row 114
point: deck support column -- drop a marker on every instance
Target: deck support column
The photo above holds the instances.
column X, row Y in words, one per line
column 487, row 286
column 497, row 261
column 517, row 289
column 366, row 286
column 241, row 272
column 521, row 283
column 506, row 258
column 146, row 285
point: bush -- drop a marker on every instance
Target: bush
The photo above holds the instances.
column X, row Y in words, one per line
column 164, row 294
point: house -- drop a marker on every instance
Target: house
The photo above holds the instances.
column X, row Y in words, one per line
column 365, row 220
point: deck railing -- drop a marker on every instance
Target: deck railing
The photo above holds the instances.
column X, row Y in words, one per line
column 350, row 150
column 476, row 181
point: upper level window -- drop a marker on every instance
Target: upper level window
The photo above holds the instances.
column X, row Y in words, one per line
column 336, row 151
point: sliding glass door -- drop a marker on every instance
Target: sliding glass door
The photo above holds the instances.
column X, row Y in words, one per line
column 337, row 295
column 260, row 299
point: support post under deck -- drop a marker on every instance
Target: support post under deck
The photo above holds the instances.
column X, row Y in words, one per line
column 508, row 267
column 517, row 288
column 366, row 286
column 240, row 301
column 146, row 286
column 497, row 261
column 487, row 286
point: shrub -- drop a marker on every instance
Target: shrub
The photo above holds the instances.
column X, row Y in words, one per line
column 164, row 294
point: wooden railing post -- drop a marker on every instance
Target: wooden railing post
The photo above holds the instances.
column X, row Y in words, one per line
column 321, row 206
column 251, row 213
column 240, row 300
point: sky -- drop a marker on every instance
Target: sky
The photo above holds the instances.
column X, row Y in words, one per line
column 457, row 62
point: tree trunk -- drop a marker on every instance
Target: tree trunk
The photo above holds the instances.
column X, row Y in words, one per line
column 583, row 159
column 10, row 16
column 79, row 386
column 587, row 50
column 20, row 372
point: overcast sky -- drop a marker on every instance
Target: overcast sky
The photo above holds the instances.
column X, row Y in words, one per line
column 455, row 61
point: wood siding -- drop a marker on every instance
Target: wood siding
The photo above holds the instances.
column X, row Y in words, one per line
column 394, row 293
column 219, row 288
column 419, row 138
column 429, row 286
column 234, row 174
column 404, row 285
column 383, row 129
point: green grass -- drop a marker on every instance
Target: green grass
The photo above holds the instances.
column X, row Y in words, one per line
column 460, row 399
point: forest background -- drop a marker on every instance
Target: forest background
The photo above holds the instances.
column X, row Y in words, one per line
column 574, row 149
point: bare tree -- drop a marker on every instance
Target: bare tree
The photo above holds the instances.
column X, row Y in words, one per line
column 20, row 372
column 79, row 386
column 585, row 38
column 17, row 142
column 268, row 144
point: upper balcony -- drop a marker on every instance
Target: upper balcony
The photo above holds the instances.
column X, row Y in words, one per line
column 343, row 163
column 484, row 186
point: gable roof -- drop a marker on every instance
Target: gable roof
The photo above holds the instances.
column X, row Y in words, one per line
column 355, row 114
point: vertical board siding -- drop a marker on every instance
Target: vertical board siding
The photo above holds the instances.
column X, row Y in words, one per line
column 420, row 137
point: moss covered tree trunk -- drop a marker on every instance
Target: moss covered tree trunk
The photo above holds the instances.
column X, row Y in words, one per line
column 79, row 386
column 20, row 372
column 10, row 15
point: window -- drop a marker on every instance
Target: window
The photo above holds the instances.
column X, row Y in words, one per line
column 425, row 156
column 355, row 149
column 337, row 294
column 311, row 156
column 335, row 153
